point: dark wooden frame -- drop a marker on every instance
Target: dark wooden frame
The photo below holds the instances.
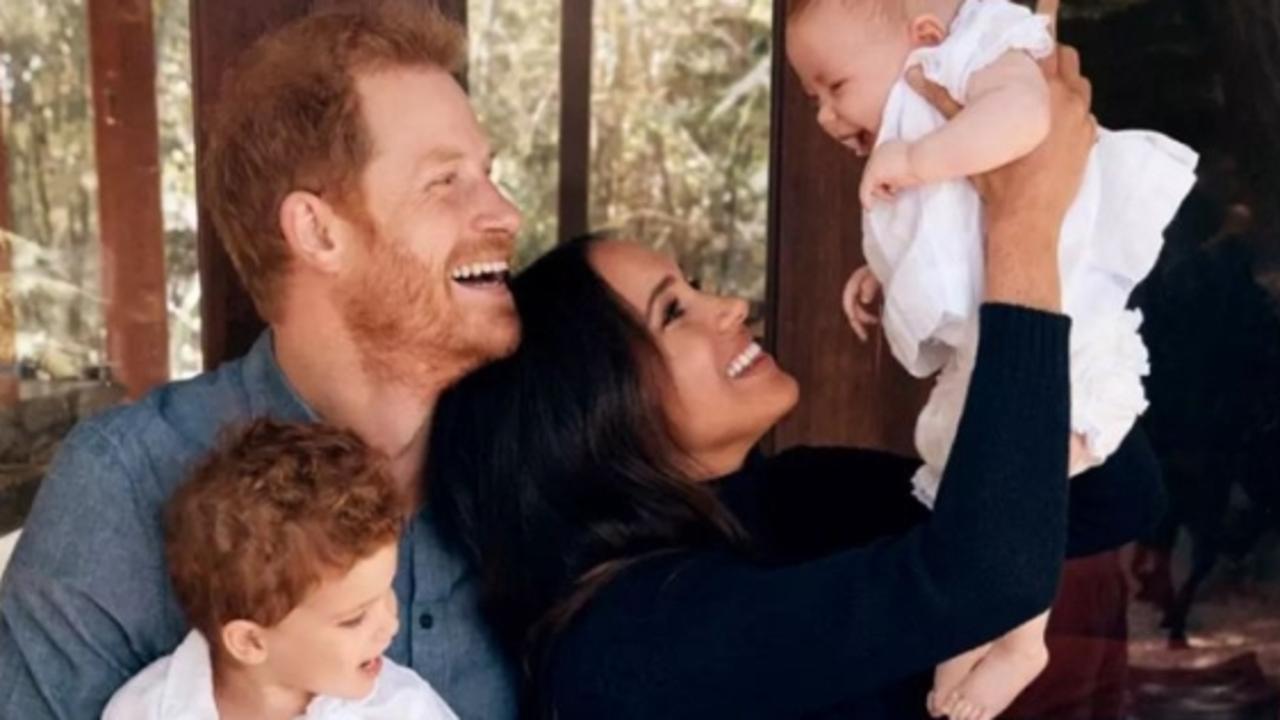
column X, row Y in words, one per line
column 851, row 393
column 131, row 222
column 575, row 116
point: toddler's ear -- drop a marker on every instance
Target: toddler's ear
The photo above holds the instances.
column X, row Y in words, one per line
column 927, row 31
column 245, row 641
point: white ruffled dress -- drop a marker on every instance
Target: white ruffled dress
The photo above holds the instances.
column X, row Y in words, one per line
column 180, row 687
column 925, row 247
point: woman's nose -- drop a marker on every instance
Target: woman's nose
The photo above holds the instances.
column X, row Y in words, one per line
column 733, row 313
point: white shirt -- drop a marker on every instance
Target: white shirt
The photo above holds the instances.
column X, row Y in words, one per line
column 180, row 687
column 926, row 249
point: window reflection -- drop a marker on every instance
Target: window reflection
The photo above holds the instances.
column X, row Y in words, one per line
column 1202, row 636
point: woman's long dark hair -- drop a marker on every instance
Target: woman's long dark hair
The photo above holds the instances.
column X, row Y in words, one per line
column 554, row 468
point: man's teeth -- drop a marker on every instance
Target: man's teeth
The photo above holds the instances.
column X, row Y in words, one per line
column 744, row 360
column 480, row 270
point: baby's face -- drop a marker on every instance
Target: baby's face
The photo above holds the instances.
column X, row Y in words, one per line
column 848, row 58
column 332, row 643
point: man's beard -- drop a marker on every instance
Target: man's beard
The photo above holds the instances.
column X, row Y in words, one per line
column 409, row 331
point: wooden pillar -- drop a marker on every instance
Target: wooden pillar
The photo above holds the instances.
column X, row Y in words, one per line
column 122, row 45
column 8, row 319
column 575, row 116
column 851, row 393
column 220, row 31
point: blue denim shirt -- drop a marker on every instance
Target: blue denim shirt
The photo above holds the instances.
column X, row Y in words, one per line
column 86, row 602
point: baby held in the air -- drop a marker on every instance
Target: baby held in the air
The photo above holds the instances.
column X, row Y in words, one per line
column 923, row 234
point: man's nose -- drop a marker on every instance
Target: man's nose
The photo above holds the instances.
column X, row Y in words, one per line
column 498, row 215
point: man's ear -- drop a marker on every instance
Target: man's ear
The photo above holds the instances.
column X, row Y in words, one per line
column 245, row 641
column 311, row 228
column 927, row 31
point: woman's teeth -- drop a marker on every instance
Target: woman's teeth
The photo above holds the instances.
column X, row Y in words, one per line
column 745, row 359
column 487, row 272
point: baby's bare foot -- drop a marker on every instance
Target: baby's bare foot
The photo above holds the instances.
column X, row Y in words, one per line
column 948, row 676
column 996, row 680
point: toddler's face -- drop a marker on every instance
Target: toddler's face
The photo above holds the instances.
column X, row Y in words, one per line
column 332, row 643
column 848, row 59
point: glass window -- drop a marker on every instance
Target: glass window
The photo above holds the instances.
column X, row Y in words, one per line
column 52, row 333
column 52, row 189
column 680, row 133
column 1203, row 635
column 679, row 125
column 514, row 79
column 178, row 183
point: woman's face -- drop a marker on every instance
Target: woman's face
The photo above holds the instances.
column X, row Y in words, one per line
column 725, row 391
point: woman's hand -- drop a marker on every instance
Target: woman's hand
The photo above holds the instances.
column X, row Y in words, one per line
column 1027, row 200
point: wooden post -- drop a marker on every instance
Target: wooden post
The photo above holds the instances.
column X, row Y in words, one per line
column 8, row 319
column 851, row 393
column 220, row 31
column 122, row 55
column 575, row 116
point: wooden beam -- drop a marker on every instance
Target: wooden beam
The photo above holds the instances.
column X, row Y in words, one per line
column 575, row 116
column 8, row 319
column 6, row 212
column 220, row 31
column 851, row 393
column 123, row 60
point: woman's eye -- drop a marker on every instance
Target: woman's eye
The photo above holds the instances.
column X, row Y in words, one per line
column 837, row 86
column 671, row 312
column 353, row 622
column 695, row 283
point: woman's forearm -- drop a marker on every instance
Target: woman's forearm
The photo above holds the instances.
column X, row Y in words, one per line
column 1018, row 271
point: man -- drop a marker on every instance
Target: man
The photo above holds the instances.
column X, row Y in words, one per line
column 349, row 180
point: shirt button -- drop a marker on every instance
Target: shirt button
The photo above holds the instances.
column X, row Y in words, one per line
column 425, row 621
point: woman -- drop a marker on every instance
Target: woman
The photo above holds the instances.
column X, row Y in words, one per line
column 644, row 563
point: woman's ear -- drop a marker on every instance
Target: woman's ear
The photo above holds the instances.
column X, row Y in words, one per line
column 245, row 641
column 927, row 31
column 310, row 228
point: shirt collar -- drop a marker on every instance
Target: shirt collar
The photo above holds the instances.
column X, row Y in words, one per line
column 268, row 390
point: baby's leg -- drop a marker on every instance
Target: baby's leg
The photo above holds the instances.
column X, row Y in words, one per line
column 1079, row 458
column 948, row 676
column 1013, row 661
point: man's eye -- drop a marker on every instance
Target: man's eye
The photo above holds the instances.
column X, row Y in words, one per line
column 837, row 86
column 353, row 622
column 695, row 283
column 443, row 181
column 671, row 312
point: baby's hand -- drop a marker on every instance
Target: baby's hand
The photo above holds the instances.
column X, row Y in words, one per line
column 888, row 171
column 859, row 293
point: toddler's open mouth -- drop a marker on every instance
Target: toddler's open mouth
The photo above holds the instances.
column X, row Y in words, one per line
column 371, row 667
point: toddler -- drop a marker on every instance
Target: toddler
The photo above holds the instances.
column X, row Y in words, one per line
column 923, row 234
column 282, row 552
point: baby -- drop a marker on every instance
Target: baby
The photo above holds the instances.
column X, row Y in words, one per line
column 282, row 552
column 923, row 234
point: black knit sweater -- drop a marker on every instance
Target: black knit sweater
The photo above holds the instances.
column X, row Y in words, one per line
column 856, row 591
